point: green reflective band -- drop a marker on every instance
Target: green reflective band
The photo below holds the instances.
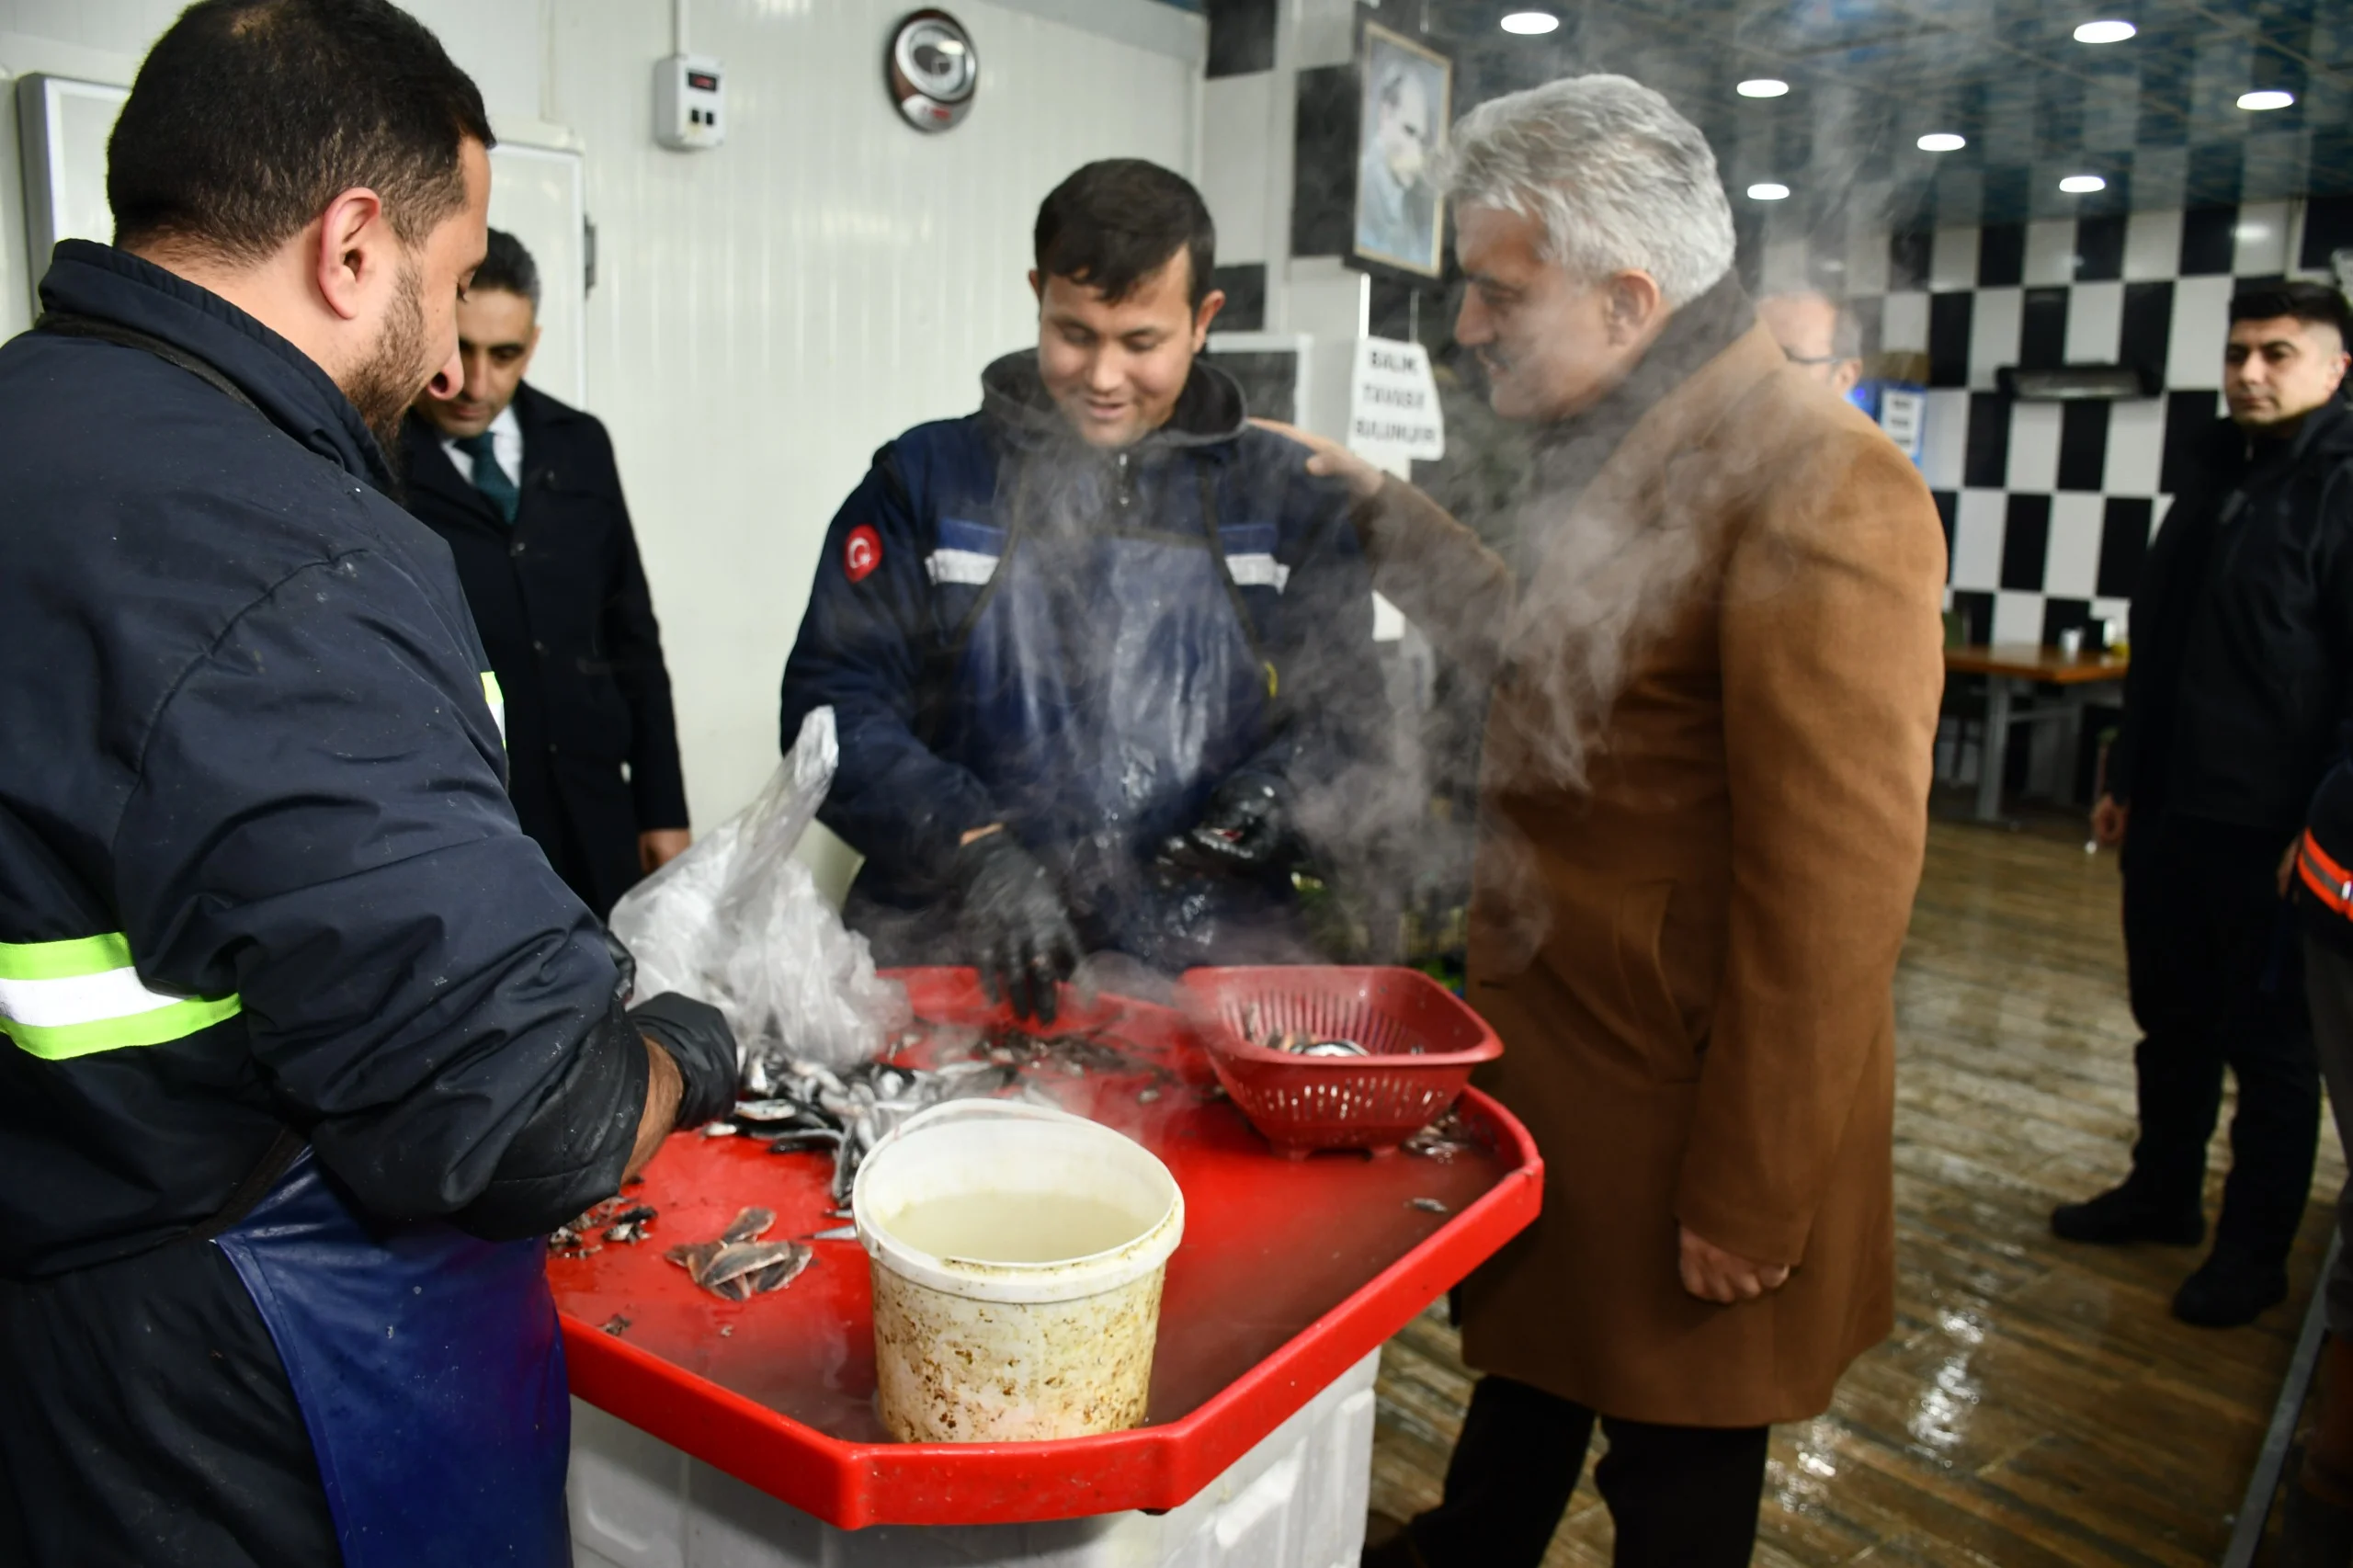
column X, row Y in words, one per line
column 159, row 1026
column 496, row 698
column 64, row 961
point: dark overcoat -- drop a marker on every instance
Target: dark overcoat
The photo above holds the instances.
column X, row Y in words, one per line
column 560, row 602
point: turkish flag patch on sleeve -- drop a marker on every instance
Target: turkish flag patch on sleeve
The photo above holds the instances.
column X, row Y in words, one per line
column 861, row 553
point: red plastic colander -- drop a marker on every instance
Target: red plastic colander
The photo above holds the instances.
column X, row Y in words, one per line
column 1423, row 1039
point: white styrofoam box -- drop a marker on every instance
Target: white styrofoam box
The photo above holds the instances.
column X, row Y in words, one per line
column 1297, row 1500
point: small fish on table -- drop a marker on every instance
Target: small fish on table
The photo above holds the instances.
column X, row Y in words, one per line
column 738, row 1265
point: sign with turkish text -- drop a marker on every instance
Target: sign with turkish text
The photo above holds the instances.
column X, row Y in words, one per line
column 1392, row 404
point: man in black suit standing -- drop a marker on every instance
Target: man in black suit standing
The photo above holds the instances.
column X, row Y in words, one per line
column 525, row 491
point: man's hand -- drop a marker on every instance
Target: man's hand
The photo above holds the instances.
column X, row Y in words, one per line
column 1714, row 1274
column 1328, row 459
column 1245, row 830
column 1013, row 923
column 2288, row 867
column 663, row 1086
column 658, row 849
column 700, row 1048
column 2110, row 819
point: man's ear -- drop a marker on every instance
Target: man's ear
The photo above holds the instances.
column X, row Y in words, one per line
column 532, row 349
column 1214, row 302
column 1037, row 287
column 352, row 237
column 1635, row 306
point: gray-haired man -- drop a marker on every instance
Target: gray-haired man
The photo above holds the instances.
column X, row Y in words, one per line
column 1716, row 671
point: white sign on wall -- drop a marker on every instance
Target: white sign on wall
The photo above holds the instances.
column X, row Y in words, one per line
column 1903, row 414
column 1392, row 404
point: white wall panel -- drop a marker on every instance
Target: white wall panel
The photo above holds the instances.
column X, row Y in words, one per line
column 769, row 313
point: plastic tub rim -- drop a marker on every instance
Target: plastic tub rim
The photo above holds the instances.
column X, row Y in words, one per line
column 1017, row 1284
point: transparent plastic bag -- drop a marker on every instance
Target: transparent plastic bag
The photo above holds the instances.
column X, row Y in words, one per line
column 737, row 922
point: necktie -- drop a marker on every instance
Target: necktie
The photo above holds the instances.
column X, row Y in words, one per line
column 489, row 478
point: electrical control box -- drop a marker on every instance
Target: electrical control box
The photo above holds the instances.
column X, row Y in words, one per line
column 689, row 103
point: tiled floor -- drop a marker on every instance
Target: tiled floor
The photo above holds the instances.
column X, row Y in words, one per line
column 2037, row 1405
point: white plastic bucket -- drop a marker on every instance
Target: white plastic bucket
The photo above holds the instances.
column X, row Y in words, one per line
column 974, row 1351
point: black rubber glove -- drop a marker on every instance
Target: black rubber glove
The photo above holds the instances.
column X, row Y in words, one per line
column 1013, row 923
column 698, row 1038
column 1244, row 831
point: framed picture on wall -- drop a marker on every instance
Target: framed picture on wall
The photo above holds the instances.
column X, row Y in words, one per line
column 1405, row 91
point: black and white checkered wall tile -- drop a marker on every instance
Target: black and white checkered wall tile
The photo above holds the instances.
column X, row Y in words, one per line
column 2048, row 507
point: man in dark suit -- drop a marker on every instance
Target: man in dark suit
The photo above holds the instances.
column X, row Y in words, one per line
column 525, row 491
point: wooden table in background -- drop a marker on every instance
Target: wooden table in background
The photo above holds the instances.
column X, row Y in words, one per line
column 2007, row 666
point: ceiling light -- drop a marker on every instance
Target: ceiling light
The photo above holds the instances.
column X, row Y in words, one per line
column 1530, row 22
column 2082, row 184
column 1942, row 141
column 2268, row 97
column 1768, row 190
column 2105, row 32
column 1762, row 88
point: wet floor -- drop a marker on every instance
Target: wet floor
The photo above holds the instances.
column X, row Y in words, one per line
column 2037, row 1405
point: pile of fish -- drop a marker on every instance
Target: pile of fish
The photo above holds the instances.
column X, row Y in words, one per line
column 621, row 1221
column 1293, row 1042
column 739, row 1266
column 811, row 1108
column 1444, row 1140
column 1068, row 1055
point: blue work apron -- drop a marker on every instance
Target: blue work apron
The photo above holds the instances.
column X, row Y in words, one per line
column 430, row 1375
column 1107, row 683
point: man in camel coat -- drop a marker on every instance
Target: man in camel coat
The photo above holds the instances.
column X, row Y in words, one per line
column 1715, row 671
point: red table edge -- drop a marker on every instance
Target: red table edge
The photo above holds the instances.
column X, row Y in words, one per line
column 1150, row 1468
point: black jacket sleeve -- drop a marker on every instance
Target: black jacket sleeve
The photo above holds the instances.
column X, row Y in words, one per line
column 321, row 827
column 634, row 640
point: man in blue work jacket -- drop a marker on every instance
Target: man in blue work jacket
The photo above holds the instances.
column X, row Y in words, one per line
column 305, row 1046
column 1099, row 654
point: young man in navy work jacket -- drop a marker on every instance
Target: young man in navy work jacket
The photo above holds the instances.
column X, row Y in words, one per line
column 1099, row 654
column 525, row 492
column 304, row 1047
